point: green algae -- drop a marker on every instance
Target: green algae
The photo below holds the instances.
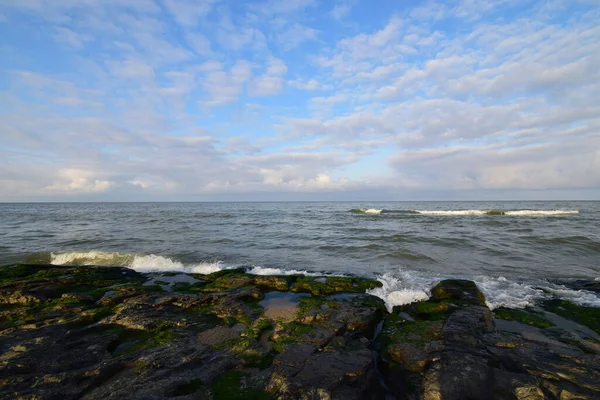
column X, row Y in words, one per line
column 258, row 327
column 234, row 385
column 141, row 339
column 523, row 316
column 17, row 272
column 309, row 303
column 587, row 316
column 292, row 332
column 459, row 291
column 331, row 285
column 417, row 333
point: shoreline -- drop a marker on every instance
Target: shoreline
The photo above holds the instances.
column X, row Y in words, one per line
column 106, row 332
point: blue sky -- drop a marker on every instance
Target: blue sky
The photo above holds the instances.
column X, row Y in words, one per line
column 301, row 99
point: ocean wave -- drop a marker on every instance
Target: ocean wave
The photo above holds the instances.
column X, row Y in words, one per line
column 402, row 288
column 501, row 292
column 137, row 262
column 498, row 212
column 371, row 211
column 398, row 288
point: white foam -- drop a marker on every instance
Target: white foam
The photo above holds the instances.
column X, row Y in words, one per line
column 580, row 297
column 542, row 212
column 404, row 288
column 500, row 292
column 94, row 257
column 451, row 212
column 372, row 211
column 137, row 262
column 498, row 212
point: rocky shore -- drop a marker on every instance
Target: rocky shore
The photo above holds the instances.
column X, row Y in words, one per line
column 113, row 333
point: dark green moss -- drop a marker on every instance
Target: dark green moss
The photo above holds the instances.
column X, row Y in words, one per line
column 90, row 317
column 258, row 327
column 17, row 272
column 234, row 385
column 587, row 316
column 256, row 359
column 292, row 333
column 459, row 291
column 219, row 274
column 181, row 287
column 308, row 303
column 523, row 316
column 396, row 329
column 331, row 285
column 141, row 339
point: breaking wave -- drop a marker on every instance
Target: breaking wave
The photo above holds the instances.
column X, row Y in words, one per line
column 137, row 262
column 516, row 213
column 405, row 287
column 402, row 288
column 398, row 288
column 498, row 212
column 372, row 211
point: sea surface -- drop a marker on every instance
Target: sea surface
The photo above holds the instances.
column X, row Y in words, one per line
column 519, row 253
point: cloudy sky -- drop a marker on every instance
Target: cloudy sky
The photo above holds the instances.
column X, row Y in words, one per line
column 299, row 100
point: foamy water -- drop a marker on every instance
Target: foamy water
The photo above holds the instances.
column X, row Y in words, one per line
column 399, row 288
column 527, row 213
column 518, row 253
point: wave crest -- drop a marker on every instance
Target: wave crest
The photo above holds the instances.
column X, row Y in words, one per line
column 373, row 211
column 498, row 212
column 137, row 262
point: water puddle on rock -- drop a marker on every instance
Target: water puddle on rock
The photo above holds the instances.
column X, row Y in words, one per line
column 281, row 305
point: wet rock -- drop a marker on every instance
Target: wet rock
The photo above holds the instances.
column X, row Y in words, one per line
column 214, row 340
column 220, row 334
column 332, row 285
column 458, row 290
column 78, row 296
column 273, row 282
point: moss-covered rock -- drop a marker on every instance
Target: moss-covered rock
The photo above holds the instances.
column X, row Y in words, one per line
column 330, row 285
column 527, row 317
column 281, row 283
column 458, row 290
column 235, row 385
column 587, row 316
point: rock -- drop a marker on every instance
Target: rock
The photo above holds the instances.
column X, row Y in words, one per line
column 220, row 334
column 77, row 296
column 212, row 340
column 272, row 282
column 458, row 290
column 332, row 285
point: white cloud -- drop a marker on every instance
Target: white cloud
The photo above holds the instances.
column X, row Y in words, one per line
column 154, row 103
column 135, row 69
column 188, row 12
column 340, row 10
column 199, row 43
column 67, row 36
column 271, row 82
column 307, row 84
column 77, row 181
column 295, row 35
column 224, row 87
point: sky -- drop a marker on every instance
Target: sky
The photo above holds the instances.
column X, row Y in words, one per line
column 201, row 100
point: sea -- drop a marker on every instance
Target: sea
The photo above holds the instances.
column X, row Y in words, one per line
column 518, row 253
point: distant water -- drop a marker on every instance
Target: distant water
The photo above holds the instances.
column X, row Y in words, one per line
column 517, row 252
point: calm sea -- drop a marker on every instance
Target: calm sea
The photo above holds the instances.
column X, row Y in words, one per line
column 517, row 252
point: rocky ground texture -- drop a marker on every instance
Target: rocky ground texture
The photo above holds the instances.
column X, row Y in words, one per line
column 113, row 333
